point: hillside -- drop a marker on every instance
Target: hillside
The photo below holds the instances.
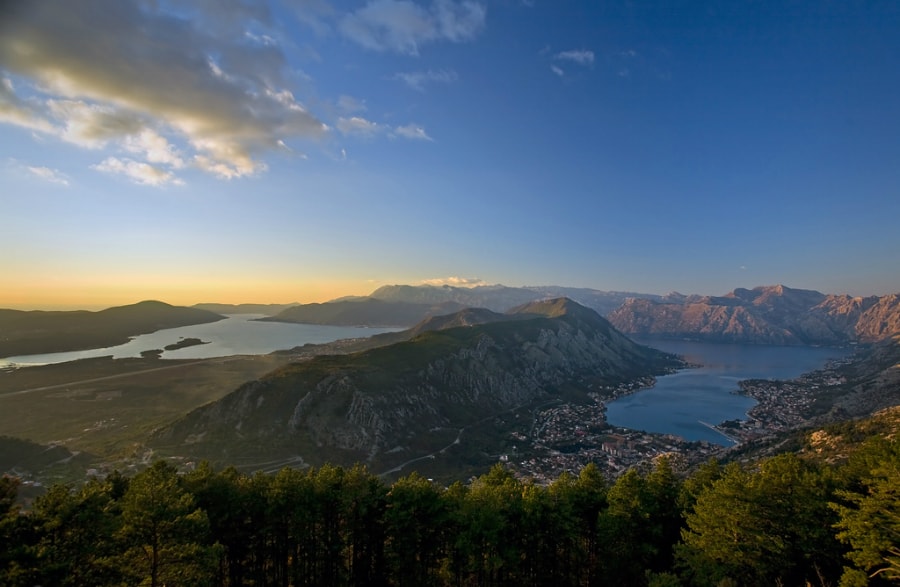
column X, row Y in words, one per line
column 603, row 302
column 364, row 312
column 265, row 309
column 501, row 298
column 498, row 298
column 35, row 332
column 405, row 305
column 387, row 405
column 764, row 315
column 872, row 382
column 827, row 515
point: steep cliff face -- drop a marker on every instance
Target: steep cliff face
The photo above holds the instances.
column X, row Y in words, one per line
column 880, row 320
column 358, row 407
column 500, row 298
column 712, row 319
column 765, row 315
column 873, row 381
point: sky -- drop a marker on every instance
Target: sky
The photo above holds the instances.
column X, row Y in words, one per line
column 300, row 150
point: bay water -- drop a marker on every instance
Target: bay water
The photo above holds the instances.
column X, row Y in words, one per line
column 238, row 334
column 686, row 403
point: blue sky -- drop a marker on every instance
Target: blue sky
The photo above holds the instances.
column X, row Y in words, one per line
column 299, row 150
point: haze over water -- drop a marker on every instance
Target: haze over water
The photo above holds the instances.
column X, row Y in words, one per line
column 238, row 334
column 680, row 403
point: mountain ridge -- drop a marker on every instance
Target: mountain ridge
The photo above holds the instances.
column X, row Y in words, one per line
column 39, row 331
column 765, row 315
column 413, row 303
column 374, row 405
column 501, row 298
column 372, row 312
column 249, row 308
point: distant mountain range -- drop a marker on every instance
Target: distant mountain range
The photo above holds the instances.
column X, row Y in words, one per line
column 501, row 298
column 776, row 314
column 386, row 405
column 406, row 305
column 35, row 332
column 364, row 312
column 265, row 309
column 764, row 315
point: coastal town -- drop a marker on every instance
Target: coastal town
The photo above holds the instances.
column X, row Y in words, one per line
column 567, row 437
column 783, row 405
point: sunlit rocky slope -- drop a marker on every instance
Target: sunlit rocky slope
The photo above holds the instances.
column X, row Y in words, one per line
column 389, row 404
column 766, row 315
column 406, row 305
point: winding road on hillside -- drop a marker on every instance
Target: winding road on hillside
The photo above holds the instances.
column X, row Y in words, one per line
column 458, row 438
column 116, row 376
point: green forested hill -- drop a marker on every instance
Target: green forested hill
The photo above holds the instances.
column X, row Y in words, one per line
column 35, row 332
column 403, row 401
column 784, row 520
column 364, row 312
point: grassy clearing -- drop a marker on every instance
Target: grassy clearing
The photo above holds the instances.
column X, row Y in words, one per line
column 107, row 407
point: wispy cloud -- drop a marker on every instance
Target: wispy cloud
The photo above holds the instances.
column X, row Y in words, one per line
column 403, row 26
column 314, row 13
column 154, row 148
column 454, row 281
column 27, row 113
column 411, row 131
column 48, row 174
column 624, row 58
column 138, row 172
column 91, row 125
column 579, row 56
column 349, row 104
column 361, row 127
column 98, row 74
column 417, row 80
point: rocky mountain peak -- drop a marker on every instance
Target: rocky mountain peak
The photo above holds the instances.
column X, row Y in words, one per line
column 774, row 314
column 554, row 308
column 464, row 317
column 374, row 405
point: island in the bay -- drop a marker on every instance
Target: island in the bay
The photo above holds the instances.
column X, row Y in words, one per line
column 184, row 343
column 523, row 380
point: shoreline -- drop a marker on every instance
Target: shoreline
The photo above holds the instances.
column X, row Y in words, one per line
column 735, row 441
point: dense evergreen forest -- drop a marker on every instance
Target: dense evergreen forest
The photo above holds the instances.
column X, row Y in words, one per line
column 787, row 520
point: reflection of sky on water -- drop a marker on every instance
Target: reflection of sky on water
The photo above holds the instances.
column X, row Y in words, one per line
column 682, row 402
column 236, row 335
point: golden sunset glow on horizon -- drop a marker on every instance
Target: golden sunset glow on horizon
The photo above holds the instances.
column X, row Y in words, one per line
column 278, row 152
column 66, row 293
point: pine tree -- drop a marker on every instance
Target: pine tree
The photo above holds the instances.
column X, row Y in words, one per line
column 165, row 532
column 870, row 520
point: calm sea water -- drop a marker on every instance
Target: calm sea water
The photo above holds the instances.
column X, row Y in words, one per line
column 680, row 403
column 236, row 335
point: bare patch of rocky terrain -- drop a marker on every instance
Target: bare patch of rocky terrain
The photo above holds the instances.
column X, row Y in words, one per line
column 776, row 315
